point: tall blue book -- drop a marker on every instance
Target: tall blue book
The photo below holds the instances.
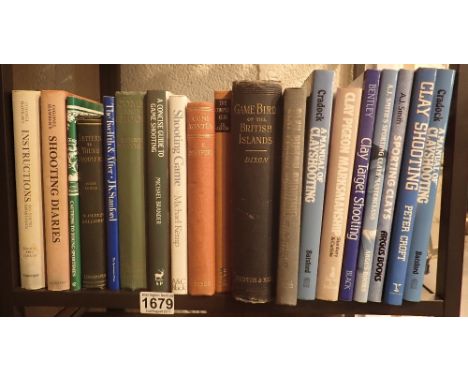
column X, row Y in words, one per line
column 405, row 209
column 315, row 173
column 110, row 179
column 392, row 174
column 430, row 169
column 377, row 167
column 359, row 183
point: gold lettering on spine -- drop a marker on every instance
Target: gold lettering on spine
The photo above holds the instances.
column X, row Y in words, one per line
column 255, row 131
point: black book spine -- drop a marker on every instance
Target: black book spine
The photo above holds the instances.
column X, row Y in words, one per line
column 256, row 130
column 91, row 187
column 157, row 191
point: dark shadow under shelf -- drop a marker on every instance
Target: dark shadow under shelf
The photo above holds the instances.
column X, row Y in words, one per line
column 221, row 304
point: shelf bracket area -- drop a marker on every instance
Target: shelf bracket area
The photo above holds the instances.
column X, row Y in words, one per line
column 454, row 198
column 8, row 239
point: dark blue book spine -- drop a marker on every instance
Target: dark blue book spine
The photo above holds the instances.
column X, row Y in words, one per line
column 430, row 170
column 110, row 178
column 383, row 121
column 359, row 183
column 392, row 174
column 405, row 211
column 315, row 172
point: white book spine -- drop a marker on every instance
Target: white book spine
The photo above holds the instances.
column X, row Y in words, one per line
column 340, row 171
column 27, row 137
column 178, row 192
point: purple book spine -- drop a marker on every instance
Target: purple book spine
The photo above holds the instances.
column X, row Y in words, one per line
column 359, row 185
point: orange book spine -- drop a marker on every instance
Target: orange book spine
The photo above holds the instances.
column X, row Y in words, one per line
column 201, row 198
column 55, row 188
column 222, row 179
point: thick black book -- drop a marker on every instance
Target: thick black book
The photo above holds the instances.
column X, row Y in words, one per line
column 157, row 191
column 91, row 187
column 256, row 118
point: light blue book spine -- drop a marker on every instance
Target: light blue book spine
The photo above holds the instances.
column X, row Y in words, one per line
column 315, row 172
column 392, row 174
column 405, row 210
column 377, row 166
column 430, row 170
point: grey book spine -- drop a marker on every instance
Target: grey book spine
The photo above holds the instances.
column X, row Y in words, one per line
column 291, row 195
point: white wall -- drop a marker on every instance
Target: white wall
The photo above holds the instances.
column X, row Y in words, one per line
column 199, row 81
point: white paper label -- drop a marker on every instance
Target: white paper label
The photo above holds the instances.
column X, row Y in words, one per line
column 157, row 303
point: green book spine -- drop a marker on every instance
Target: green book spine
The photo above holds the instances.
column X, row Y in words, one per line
column 76, row 107
column 91, row 182
column 73, row 201
column 130, row 125
column 157, row 191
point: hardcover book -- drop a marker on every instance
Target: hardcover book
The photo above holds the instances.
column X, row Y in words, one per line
column 223, row 185
column 405, row 209
column 130, row 126
column 392, row 173
column 375, row 183
column 91, row 185
column 178, row 192
column 55, row 186
column 315, row 174
column 76, row 107
column 359, row 182
column 340, row 169
column 430, row 169
column 291, row 195
column 201, row 198
column 256, row 132
column 157, row 191
column 111, row 194
column 27, row 138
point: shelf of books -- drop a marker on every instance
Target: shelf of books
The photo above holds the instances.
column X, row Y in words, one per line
column 264, row 201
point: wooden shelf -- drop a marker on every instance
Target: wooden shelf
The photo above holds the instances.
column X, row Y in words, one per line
column 221, row 305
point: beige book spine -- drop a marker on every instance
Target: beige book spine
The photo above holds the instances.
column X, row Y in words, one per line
column 27, row 133
column 340, row 169
column 55, row 188
column 178, row 192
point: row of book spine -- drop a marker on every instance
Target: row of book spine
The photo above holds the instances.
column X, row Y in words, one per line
column 278, row 196
column 82, row 225
column 389, row 212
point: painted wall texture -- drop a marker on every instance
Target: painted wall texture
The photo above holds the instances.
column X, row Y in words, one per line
column 196, row 81
column 80, row 79
column 199, row 81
